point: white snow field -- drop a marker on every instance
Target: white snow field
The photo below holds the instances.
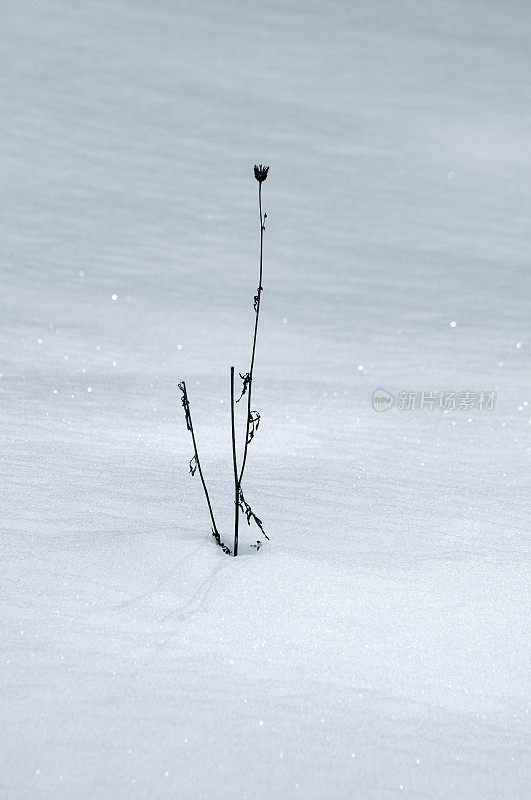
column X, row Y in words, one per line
column 375, row 648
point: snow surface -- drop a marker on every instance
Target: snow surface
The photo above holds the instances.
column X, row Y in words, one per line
column 375, row 648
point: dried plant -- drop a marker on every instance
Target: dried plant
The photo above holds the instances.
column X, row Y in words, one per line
column 252, row 416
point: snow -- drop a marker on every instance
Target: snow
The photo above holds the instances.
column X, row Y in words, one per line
column 375, row 647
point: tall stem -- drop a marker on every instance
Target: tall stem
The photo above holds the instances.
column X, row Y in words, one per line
column 258, row 299
column 236, row 480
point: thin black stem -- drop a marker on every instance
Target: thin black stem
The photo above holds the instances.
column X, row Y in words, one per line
column 189, row 425
column 203, row 482
column 236, row 480
column 257, row 308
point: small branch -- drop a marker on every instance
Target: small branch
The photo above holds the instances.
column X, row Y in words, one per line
column 249, row 513
column 245, row 378
column 254, row 424
column 195, row 464
column 236, row 480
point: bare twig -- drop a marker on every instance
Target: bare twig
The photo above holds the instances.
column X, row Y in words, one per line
column 254, row 424
column 195, row 464
column 245, row 378
column 249, row 513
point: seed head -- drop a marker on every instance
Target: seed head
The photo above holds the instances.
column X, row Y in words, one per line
column 260, row 172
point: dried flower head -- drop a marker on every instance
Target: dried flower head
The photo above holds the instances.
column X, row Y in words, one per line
column 260, row 172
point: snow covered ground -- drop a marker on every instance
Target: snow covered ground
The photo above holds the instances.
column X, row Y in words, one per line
column 375, row 648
